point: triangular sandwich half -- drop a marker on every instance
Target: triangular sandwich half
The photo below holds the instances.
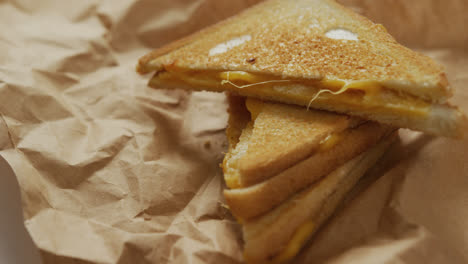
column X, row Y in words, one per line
column 281, row 210
column 313, row 53
column 275, row 150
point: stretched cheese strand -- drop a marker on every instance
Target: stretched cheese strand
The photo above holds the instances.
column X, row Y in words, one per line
column 228, row 81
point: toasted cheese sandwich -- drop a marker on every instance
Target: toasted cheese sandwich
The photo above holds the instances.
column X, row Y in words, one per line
column 326, row 155
column 313, row 53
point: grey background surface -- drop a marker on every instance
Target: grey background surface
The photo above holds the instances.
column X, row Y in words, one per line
column 16, row 245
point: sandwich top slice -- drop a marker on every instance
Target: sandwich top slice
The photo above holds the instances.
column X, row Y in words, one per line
column 313, row 53
column 281, row 210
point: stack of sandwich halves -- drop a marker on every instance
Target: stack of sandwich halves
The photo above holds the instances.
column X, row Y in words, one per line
column 316, row 94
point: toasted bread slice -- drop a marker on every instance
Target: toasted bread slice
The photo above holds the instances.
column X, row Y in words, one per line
column 319, row 142
column 257, row 199
column 277, row 236
column 295, row 51
column 280, row 136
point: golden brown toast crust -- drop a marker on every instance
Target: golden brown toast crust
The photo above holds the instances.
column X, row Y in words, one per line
column 288, row 39
column 284, row 135
column 257, row 199
column 144, row 65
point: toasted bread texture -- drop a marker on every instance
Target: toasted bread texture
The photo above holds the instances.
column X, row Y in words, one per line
column 289, row 39
column 324, row 142
column 259, row 198
column 277, row 236
column 313, row 41
column 283, row 135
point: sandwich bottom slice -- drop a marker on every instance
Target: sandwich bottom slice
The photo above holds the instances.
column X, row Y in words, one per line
column 275, row 229
column 277, row 236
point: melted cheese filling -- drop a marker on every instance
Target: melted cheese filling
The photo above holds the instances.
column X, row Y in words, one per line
column 330, row 142
column 362, row 95
column 294, row 245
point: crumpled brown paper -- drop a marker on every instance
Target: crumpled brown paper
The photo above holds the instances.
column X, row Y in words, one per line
column 114, row 172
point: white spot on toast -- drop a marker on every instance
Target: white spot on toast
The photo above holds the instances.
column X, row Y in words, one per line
column 340, row 33
column 223, row 47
